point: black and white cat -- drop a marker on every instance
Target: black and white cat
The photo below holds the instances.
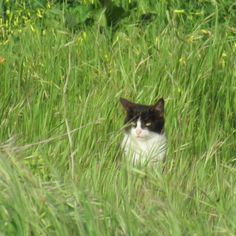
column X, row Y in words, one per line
column 144, row 137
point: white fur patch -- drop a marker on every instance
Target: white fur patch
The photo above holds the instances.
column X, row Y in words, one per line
column 145, row 146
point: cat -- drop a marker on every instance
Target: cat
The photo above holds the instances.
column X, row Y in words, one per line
column 144, row 140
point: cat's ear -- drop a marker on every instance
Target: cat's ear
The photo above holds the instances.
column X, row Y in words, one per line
column 126, row 104
column 159, row 106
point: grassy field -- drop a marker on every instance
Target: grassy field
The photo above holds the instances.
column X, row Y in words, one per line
column 61, row 172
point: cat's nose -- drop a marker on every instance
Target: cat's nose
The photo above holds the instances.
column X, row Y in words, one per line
column 138, row 132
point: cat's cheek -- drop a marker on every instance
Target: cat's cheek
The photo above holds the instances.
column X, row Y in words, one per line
column 146, row 133
column 133, row 132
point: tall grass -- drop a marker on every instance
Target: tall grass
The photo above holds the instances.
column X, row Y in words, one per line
column 61, row 171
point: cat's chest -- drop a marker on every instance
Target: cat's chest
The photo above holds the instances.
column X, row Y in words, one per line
column 154, row 148
column 142, row 145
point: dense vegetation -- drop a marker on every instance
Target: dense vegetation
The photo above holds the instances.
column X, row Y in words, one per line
column 63, row 67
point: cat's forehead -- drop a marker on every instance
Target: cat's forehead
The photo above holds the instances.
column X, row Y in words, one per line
column 143, row 113
column 142, row 108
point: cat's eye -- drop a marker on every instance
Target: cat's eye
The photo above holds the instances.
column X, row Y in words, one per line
column 148, row 124
column 133, row 123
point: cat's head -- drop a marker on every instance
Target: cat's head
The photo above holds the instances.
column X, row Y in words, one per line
column 143, row 121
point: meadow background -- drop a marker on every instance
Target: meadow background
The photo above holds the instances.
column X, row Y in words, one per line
column 63, row 68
